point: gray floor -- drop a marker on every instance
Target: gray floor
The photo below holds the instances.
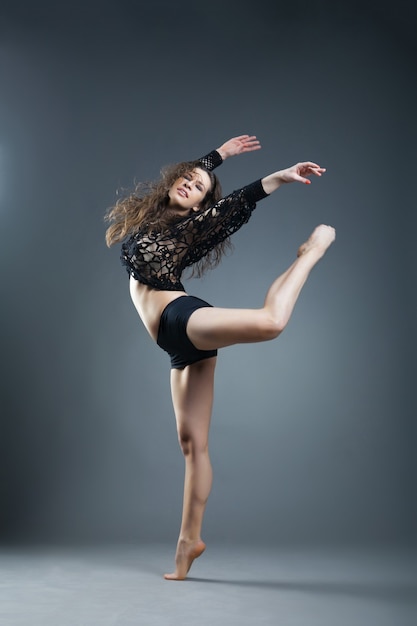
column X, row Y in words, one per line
column 123, row 586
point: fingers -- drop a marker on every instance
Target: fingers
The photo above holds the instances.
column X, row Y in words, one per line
column 300, row 171
column 239, row 145
column 249, row 143
column 308, row 163
column 318, row 171
column 241, row 137
column 300, row 179
column 308, row 167
column 249, row 148
column 246, row 139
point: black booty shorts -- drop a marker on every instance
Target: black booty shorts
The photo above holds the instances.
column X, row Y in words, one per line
column 172, row 333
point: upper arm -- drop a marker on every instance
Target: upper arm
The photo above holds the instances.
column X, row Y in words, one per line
column 202, row 232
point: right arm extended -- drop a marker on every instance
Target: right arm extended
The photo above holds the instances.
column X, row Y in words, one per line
column 295, row 173
column 201, row 232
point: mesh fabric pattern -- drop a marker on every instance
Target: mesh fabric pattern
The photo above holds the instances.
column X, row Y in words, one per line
column 158, row 259
column 211, row 160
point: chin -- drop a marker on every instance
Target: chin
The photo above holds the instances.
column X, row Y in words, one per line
column 181, row 202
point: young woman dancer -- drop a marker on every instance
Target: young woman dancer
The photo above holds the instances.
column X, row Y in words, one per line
column 182, row 221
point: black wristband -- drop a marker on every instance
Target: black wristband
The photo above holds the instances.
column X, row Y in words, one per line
column 211, row 160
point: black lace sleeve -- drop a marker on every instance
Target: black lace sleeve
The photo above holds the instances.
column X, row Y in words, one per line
column 211, row 160
column 158, row 258
column 201, row 232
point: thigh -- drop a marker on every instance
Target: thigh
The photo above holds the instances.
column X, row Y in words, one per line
column 192, row 397
column 211, row 328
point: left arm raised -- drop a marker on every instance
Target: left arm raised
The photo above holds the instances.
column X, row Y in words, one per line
column 238, row 145
column 231, row 147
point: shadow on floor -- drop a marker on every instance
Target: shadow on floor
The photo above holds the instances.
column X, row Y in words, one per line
column 377, row 591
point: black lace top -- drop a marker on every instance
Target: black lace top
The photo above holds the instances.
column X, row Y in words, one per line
column 159, row 259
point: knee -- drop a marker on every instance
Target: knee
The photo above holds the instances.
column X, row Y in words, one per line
column 191, row 444
column 271, row 327
column 185, row 444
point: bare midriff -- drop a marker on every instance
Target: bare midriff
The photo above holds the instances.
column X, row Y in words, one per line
column 150, row 303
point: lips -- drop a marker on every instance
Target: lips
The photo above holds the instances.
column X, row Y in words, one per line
column 182, row 192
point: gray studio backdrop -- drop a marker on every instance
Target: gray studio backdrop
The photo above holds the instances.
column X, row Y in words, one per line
column 312, row 437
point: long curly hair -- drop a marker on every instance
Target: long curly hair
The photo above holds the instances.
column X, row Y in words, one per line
column 146, row 208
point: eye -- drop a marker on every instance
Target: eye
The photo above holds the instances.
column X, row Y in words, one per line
column 200, row 188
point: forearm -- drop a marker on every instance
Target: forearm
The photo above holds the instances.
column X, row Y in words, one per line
column 272, row 182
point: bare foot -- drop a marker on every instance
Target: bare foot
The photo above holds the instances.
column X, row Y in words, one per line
column 320, row 239
column 187, row 551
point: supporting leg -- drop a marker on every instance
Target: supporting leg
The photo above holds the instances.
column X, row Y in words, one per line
column 192, row 396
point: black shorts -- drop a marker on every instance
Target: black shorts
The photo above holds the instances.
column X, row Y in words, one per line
column 172, row 333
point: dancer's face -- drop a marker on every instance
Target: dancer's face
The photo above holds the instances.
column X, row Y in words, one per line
column 187, row 193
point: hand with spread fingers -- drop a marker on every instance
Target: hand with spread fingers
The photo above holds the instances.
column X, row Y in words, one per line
column 239, row 145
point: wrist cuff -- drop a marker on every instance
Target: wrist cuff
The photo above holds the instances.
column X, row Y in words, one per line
column 211, row 160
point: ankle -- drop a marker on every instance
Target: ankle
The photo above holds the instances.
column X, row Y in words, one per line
column 188, row 539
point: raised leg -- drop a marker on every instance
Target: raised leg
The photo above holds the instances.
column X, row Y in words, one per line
column 192, row 396
column 210, row 328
